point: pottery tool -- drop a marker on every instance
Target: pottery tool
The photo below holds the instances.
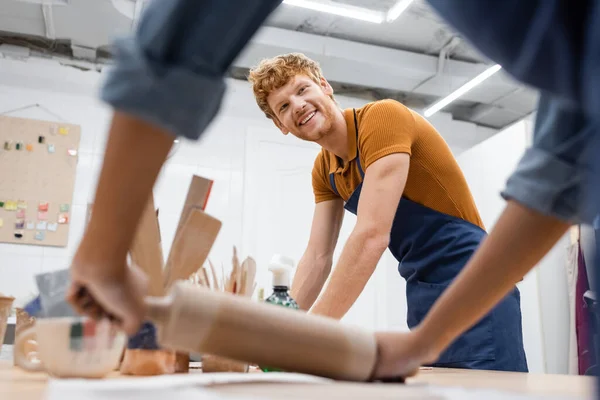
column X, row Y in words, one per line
column 197, row 198
column 230, row 282
column 213, row 273
column 236, row 272
column 242, row 282
column 200, row 279
column 191, row 246
column 205, row 277
column 194, row 319
column 241, row 279
column 146, row 252
column 249, row 275
column 224, row 282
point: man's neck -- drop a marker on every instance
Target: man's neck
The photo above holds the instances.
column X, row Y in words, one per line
column 336, row 141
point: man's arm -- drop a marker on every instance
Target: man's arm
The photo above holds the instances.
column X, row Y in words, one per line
column 382, row 188
column 315, row 264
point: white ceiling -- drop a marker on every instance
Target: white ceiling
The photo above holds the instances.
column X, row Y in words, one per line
column 399, row 59
column 419, row 29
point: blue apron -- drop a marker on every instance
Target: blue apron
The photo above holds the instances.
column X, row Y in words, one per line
column 432, row 248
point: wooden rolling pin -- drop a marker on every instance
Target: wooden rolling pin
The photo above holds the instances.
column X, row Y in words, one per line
column 196, row 319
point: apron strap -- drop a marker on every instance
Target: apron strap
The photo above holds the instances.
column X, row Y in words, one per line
column 332, row 182
column 362, row 174
column 360, row 170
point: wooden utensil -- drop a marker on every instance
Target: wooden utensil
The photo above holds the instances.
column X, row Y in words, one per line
column 230, row 283
column 237, row 272
column 146, row 251
column 225, row 283
column 242, row 283
column 197, row 197
column 191, row 246
column 216, row 284
column 205, row 277
column 249, row 266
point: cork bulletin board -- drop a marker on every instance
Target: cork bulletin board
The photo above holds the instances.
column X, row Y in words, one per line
column 38, row 160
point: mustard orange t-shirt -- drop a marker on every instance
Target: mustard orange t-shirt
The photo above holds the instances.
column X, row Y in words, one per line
column 385, row 127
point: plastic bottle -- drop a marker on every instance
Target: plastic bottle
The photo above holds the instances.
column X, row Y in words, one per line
column 280, row 267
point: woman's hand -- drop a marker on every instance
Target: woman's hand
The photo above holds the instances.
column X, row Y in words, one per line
column 401, row 354
column 102, row 289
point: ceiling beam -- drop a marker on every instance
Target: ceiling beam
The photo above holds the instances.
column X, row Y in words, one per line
column 365, row 65
column 48, row 21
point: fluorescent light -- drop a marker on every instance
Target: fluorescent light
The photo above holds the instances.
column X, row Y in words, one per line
column 47, row 2
column 397, row 9
column 428, row 112
column 343, row 10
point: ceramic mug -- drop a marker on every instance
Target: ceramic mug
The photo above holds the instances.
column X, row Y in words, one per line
column 70, row 347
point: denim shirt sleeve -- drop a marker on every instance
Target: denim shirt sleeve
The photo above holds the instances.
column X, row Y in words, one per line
column 171, row 71
column 553, row 175
column 549, row 44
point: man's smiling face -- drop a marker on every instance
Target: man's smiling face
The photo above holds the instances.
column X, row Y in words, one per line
column 303, row 108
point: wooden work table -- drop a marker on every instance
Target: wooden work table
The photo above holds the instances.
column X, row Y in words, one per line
column 20, row 385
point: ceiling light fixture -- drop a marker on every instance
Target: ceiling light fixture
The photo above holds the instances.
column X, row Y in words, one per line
column 47, row 2
column 397, row 10
column 344, row 10
column 428, row 112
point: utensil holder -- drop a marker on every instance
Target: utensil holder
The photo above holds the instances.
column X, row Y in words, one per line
column 144, row 357
column 141, row 362
column 182, row 362
column 211, row 363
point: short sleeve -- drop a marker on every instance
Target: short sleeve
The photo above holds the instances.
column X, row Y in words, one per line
column 386, row 127
column 320, row 182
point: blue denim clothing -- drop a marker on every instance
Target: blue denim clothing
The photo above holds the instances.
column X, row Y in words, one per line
column 171, row 72
column 552, row 175
column 553, row 45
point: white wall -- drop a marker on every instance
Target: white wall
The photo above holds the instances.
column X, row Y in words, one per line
column 69, row 94
column 544, row 290
column 459, row 134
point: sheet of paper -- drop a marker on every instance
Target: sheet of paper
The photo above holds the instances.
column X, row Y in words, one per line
column 164, row 386
column 203, row 386
column 179, row 393
column 459, row 393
